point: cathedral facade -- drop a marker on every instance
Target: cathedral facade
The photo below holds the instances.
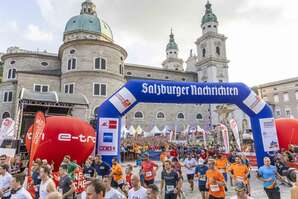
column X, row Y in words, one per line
column 90, row 67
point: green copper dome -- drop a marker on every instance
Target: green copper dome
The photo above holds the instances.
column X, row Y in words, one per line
column 172, row 44
column 88, row 21
column 209, row 16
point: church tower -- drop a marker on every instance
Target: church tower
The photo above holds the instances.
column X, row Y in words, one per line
column 172, row 62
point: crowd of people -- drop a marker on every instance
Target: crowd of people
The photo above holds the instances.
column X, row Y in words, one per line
column 208, row 171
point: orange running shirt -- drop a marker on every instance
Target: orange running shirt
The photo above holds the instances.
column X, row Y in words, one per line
column 221, row 164
column 117, row 172
column 215, row 189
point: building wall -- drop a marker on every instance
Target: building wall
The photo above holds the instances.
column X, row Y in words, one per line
column 7, row 106
column 281, row 107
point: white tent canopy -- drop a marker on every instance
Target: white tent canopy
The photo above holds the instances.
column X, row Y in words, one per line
column 166, row 130
column 155, row 130
column 139, row 130
column 132, row 130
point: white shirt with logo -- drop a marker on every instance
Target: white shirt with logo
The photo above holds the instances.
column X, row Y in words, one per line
column 5, row 181
column 21, row 194
column 114, row 194
column 139, row 194
column 190, row 164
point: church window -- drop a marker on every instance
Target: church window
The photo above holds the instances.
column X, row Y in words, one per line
column 217, row 50
column 204, row 52
column 7, row 96
column 199, row 116
column 121, row 69
column 99, row 89
column 5, row 115
column 204, row 28
column 72, row 63
column 160, row 115
column 44, row 63
column 180, row 116
column 72, row 51
column 148, row 75
column 121, row 58
column 139, row 115
column 11, row 73
column 183, row 79
column 100, row 63
column 129, row 73
column 166, row 77
column 12, row 62
column 214, row 26
column 209, row 26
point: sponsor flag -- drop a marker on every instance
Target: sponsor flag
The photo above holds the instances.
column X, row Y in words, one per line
column 254, row 102
column 37, row 131
column 7, row 129
column 122, row 100
column 225, row 136
column 234, row 127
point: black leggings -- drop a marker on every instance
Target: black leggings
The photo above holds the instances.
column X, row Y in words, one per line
column 273, row 193
column 213, row 197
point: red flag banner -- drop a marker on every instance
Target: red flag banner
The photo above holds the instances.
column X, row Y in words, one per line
column 37, row 131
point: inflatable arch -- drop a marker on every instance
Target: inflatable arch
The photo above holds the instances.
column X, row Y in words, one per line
column 133, row 92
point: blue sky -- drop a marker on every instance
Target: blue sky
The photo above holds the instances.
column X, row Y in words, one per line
column 262, row 34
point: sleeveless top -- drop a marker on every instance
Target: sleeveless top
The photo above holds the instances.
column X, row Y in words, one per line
column 43, row 189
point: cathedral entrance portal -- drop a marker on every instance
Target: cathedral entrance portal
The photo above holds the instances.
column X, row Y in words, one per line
column 142, row 91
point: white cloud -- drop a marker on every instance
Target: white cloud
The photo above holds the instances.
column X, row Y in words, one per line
column 34, row 33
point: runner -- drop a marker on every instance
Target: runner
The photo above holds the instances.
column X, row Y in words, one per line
column 117, row 174
column 221, row 163
column 190, row 165
column 239, row 172
column 152, row 192
column 47, row 185
column 36, row 177
column 17, row 190
column 215, row 182
column 102, row 168
column 111, row 193
column 137, row 191
column 268, row 175
column 66, row 186
column 200, row 172
column 95, row 190
column 169, row 180
column 148, row 168
column 5, row 181
column 71, row 166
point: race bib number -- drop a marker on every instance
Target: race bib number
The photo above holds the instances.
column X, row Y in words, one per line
column 214, row 187
column 121, row 182
column 240, row 179
column 170, row 188
column 148, row 174
column 202, row 178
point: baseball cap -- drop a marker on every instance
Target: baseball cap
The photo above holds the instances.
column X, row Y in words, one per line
column 239, row 186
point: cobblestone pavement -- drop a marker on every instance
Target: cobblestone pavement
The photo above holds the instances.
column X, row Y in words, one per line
column 256, row 188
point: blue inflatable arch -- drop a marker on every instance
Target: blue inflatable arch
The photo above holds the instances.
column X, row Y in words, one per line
column 135, row 91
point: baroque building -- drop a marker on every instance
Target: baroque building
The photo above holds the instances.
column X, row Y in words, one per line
column 90, row 67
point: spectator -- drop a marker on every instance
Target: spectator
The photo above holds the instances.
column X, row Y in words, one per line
column 47, row 185
column 152, row 191
column 36, row 178
column 71, row 166
column 102, row 168
column 5, row 182
column 17, row 190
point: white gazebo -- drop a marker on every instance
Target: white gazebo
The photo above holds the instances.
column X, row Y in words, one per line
column 155, row 130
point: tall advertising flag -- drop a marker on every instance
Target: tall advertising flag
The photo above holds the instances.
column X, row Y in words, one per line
column 225, row 136
column 234, row 127
column 37, row 131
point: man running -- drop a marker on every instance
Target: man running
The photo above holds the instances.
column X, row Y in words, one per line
column 201, row 170
column 240, row 191
column 117, row 174
column 169, row 180
column 239, row 171
column 221, row 163
column 152, row 192
column 47, row 185
column 149, row 169
column 215, row 182
column 268, row 175
column 95, row 190
column 66, row 186
column 190, row 165
column 5, row 180
column 137, row 191
column 111, row 193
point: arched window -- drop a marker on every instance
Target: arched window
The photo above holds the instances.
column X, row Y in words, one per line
column 139, row 114
column 72, row 64
column 199, row 116
column 217, row 50
column 160, row 115
column 100, row 63
column 11, row 73
column 5, row 115
column 204, row 52
column 180, row 116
